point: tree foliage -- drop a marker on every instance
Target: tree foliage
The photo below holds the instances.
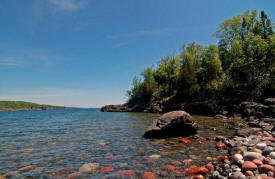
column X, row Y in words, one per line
column 244, row 56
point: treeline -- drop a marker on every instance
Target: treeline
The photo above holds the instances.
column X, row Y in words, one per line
column 243, row 60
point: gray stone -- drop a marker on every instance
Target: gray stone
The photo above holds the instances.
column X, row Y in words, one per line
column 252, row 155
column 237, row 157
column 272, row 155
column 261, row 146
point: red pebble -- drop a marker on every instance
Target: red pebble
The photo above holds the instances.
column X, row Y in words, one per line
column 247, row 165
column 186, row 141
column 126, row 172
column 197, row 177
column 267, row 160
column 169, row 167
column 175, row 162
column 266, row 168
column 272, row 139
column 196, row 170
column 222, row 158
column 73, row 175
column 106, row 169
column 177, row 172
column 148, row 175
column 220, row 145
column 257, row 162
column 258, row 151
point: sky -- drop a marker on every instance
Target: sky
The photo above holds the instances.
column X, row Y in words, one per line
column 85, row 53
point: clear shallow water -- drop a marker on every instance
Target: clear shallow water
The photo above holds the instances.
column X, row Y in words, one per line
column 67, row 139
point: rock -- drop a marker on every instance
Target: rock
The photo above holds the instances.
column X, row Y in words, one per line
column 114, row 108
column 247, row 131
column 74, row 175
column 247, row 165
column 220, row 145
column 197, row 177
column 60, row 172
column 209, row 108
column 272, row 155
column 126, row 172
column 28, row 167
column 267, row 160
column 219, row 116
column 172, row 124
column 252, row 155
column 268, row 150
column 169, row 167
column 269, row 101
column 249, row 173
column 237, row 158
column 88, row 167
column 258, row 151
column 257, row 162
column 184, row 140
column 148, row 175
column 106, row 169
column 154, row 156
column 261, row 146
column 266, row 168
column 209, row 166
column 196, row 170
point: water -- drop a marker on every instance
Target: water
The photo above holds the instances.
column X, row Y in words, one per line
column 53, row 140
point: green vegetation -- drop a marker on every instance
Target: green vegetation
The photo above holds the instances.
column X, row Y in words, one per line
column 27, row 105
column 243, row 60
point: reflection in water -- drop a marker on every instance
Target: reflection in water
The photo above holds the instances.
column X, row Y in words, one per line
column 59, row 142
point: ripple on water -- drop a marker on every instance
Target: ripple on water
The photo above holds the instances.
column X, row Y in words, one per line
column 60, row 142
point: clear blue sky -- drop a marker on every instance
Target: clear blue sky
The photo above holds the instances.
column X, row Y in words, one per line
column 86, row 52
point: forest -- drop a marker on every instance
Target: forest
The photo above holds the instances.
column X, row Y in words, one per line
column 241, row 65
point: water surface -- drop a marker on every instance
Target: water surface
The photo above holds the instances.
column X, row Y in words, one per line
column 66, row 139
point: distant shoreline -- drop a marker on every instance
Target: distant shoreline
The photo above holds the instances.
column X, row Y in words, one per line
column 26, row 106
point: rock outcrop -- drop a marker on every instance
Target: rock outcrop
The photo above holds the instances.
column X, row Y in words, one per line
column 171, row 124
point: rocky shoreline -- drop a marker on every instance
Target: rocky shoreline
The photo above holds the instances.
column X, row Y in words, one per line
column 248, row 154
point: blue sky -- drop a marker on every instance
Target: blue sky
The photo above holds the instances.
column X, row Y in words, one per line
column 85, row 52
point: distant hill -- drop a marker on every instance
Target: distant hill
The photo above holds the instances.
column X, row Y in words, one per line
column 22, row 105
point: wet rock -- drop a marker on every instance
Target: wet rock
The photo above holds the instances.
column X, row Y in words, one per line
column 249, row 173
column 26, row 168
column 148, row 175
column 219, row 116
column 88, row 167
column 196, row 170
column 74, row 175
column 106, row 169
column 184, row 140
column 247, row 165
column 268, row 150
column 247, row 131
column 171, row 124
column 169, row 167
column 252, row 155
column 126, row 172
column 154, row 156
column 269, row 101
column 220, row 145
column 60, row 172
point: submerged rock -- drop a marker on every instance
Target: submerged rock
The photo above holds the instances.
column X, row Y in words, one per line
column 172, row 124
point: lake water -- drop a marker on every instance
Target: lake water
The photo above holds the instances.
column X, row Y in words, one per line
column 56, row 143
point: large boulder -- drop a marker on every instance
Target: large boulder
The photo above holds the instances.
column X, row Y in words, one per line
column 172, row 124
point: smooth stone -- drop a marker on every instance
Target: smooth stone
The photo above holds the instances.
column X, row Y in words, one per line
column 252, row 155
column 148, row 175
column 169, row 167
column 154, row 156
column 257, row 162
column 266, row 168
column 197, row 170
column 106, row 169
column 237, row 157
column 267, row 150
column 88, row 167
column 272, row 155
column 197, row 177
column 74, row 175
column 247, row 165
column 261, row 146
column 249, row 173
column 126, row 172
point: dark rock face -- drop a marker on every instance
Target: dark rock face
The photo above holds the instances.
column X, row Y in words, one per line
column 172, row 124
column 114, row 108
column 209, row 108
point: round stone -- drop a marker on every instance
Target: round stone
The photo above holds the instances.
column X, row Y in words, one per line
column 247, row 165
column 88, row 167
column 261, row 146
column 272, row 155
